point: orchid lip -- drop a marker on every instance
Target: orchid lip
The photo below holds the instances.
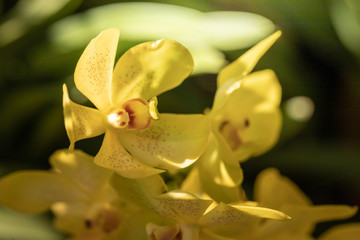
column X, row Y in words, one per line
column 134, row 114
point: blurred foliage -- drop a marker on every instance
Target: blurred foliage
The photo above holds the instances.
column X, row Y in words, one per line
column 32, row 227
column 317, row 56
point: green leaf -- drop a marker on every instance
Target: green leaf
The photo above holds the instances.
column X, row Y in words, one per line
column 28, row 14
column 230, row 30
column 203, row 33
column 345, row 16
column 19, row 226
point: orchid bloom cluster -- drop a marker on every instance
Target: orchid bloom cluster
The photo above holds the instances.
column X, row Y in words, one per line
column 120, row 193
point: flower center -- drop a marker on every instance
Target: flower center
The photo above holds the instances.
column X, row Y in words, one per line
column 133, row 114
column 119, row 118
column 107, row 219
column 231, row 133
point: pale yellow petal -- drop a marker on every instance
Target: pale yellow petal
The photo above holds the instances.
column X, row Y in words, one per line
column 219, row 163
column 138, row 191
column 190, row 231
column 150, row 69
column 184, row 207
column 260, row 136
column 36, row 191
column 304, row 218
column 261, row 211
column 134, row 227
column 192, row 183
column 80, row 168
column 264, row 85
column 223, row 94
column 246, row 63
column 70, row 218
column 94, row 69
column 174, row 141
column 273, row 190
column 204, row 186
column 247, row 113
column 112, row 155
column 259, row 88
column 350, row 231
column 80, row 122
column 237, row 213
column 157, row 232
column 224, row 214
column 321, row 213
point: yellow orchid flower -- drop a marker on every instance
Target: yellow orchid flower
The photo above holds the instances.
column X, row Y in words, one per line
column 134, row 145
column 196, row 218
column 201, row 218
column 246, row 106
column 77, row 191
column 274, row 191
column 278, row 192
column 245, row 121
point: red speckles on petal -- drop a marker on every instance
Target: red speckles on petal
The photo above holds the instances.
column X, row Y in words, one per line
column 80, row 122
column 94, row 69
column 187, row 208
column 224, row 214
column 173, row 141
column 113, row 155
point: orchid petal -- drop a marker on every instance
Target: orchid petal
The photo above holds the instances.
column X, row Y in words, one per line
column 204, row 186
column 80, row 122
column 278, row 192
column 248, row 113
column 246, row 63
column 191, row 183
column 219, row 163
column 304, row 218
column 157, row 232
column 260, row 136
column 69, row 218
column 189, row 231
column 273, row 190
column 236, row 213
column 182, row 206
column 260, row 211
column 36, row 191
column 80, row 168
column 94, row 69
column 350, row 231
column 112, row 155
column 218, row 192
column 135, row 225
column 149, row 69
column 257, row 88
column 138, row 191
column 264, row 86
column 174, row 141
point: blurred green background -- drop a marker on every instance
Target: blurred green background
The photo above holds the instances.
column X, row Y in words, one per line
column 317, row 57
